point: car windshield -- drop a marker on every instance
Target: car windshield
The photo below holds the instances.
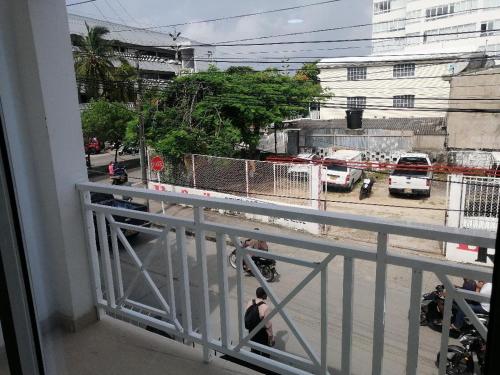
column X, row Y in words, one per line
column 409, row 162
column 337, row 167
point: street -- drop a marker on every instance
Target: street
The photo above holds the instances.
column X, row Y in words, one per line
column 305, row 307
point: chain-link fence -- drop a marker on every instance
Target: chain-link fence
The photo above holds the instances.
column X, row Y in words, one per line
column 297, row 184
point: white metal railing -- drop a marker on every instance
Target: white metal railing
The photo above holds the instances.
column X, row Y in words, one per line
column 175, row 318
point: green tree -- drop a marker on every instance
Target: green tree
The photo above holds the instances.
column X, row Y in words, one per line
column 216, row 111
column 99, row 72
column 108, row 121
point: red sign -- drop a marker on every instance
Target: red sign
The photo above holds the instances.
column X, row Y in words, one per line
column 157, row 164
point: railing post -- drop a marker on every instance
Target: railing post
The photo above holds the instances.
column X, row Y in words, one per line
column 347, row 315
column 92, row 247
column 324, row 320
column 379, row 314
column 414, row 323
column 239, row 289
column 201, row 256
column 223, row 289
column 187, row 322
column 108, row 271
column 445, row 331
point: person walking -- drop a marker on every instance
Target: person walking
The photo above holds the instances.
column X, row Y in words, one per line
column 257, row 310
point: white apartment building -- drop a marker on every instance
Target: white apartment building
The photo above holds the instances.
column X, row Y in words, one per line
column 416, row 44
column 431, row 25
column 389, row 86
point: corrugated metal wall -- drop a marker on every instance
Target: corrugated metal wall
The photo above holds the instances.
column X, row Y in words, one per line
column 379, row 140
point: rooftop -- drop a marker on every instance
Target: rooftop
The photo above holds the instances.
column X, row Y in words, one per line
column 127, row 34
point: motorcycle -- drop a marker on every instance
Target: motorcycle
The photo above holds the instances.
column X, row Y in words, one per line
column 119, row 175
column 366, row 188
column 267, row 267
column 128, row 149
column 461, row 360
column 431, row 312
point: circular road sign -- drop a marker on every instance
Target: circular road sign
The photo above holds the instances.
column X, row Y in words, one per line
column 157, row 164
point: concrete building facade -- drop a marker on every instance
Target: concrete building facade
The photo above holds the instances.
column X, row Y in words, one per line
column 416, row 46
column 426, row 25
column 159, row 57
column 472, row 130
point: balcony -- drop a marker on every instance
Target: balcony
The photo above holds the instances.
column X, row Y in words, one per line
column 336, row 307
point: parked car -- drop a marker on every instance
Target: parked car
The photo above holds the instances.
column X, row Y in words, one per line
column 337, row 171
column 301, row 169
column 416, row 181
column 110, row 200
column 93, row 146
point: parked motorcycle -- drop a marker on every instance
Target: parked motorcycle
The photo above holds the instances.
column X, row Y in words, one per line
column 431, row 312
column 461, row 360
column 366, row 188
column 267, row 267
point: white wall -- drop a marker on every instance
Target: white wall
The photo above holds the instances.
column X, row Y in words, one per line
column 40, row 108
column 380, row 83
column 464, row 43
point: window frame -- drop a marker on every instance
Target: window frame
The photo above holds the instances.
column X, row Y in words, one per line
column 356, row 73
column 357, row 102
column 403, row 70
column 403, row 101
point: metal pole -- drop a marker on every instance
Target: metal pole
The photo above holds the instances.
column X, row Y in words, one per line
column 142, row 143
column 246, row 177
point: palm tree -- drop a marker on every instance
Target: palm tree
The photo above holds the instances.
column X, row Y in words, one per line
column 93, row 60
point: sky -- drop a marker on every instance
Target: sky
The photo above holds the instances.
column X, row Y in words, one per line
column 147, row 13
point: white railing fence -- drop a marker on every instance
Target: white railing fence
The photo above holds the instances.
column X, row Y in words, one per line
column 171, row 308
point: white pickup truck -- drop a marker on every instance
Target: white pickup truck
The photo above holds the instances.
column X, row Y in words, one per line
column 406, row 181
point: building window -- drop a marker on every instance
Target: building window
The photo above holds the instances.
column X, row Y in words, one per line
column 448, row 33
column 382, row 7
column 356, row 73
column 393, row 25
column 487, row 27
column 403, row 70
column 403, row 101
column 356, row 102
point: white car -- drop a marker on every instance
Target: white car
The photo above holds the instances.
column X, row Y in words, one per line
column 404, row 180
column 302, row 169
column 339, row 172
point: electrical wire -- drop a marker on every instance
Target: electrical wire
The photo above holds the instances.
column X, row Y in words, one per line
column 327, row 40
column 232, row 17
column 349, row 26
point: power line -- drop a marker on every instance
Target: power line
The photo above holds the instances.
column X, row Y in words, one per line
column 329, row 40
column 80, row 2
column 346, row 27
column 231, row 17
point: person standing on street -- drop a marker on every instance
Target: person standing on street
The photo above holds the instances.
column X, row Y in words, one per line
column 257, row 310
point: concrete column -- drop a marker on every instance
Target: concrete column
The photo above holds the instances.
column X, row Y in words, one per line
column 42, row 124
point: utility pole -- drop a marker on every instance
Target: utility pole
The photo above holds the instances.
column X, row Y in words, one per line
column 142, row 143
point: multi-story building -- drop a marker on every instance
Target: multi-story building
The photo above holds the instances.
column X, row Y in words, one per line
column 435, row 25
column 415, row 45
column 137, row 45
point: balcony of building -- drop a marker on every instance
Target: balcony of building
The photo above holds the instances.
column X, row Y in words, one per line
column 115, row 290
